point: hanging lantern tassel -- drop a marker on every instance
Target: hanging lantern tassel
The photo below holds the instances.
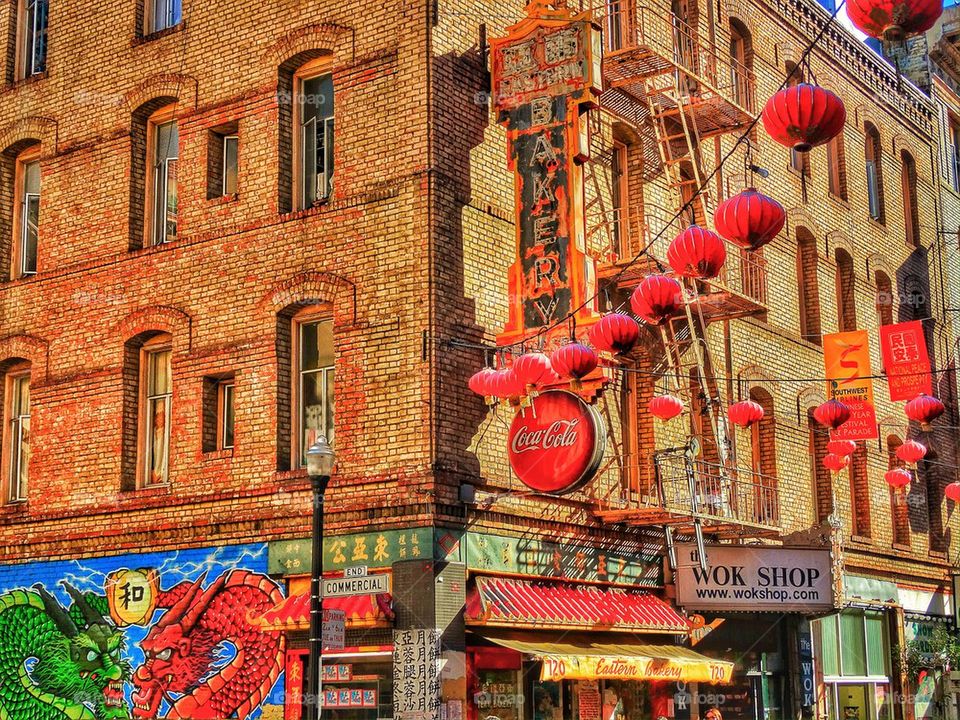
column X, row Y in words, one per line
column 574, row 362
column 924, row 409
column 898, row 478
column 835, row 463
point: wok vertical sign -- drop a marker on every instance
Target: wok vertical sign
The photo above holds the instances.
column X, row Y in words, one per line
column 905, row 359
column 846, row 356
column 544, row 72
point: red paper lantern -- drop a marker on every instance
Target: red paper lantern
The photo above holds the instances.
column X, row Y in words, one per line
column 697, row 253
column 745, row 413
column 656, row 299
column 835, row 463
column 505, row 384
column 892, row 19
column 750, row 219
column 533, row 369
column 480, row 381
column 952, row 491
column 924, row 409
column 803, row 116
column 832, row 413
column 843, row 448
column 897, row 478
column 912, row 452
column 665, row 407
column 573, row 361
column 615, row 333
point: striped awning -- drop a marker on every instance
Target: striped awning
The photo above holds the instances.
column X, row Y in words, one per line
column 508, row 602
column 293, row 613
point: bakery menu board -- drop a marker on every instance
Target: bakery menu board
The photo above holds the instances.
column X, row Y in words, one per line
column 349, row 697
column 588, row 701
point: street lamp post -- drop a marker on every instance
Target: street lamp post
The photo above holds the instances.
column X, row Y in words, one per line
column 320, row 462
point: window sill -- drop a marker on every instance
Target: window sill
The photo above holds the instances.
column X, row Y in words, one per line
column 214, row 455
column 25, row 81
column 306, row 212
column 937, row 555
column 796, row 173
column 842, row 202
column 145, row 492
column 901, row 547
column 292, row 475
column 14, row 508
column 223, row 199
column 23, row 279
column 861, row 540
column 158, row 34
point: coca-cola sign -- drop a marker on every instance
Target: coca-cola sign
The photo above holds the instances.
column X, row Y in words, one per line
column 556, row 444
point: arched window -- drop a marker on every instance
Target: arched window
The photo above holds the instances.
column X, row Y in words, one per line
column 154, row 149
column 884, row 298
column 16, row 429
column 900, row 508
column 741, row 64
column 306, row 125
column 874, row 169
column 147, row 410
column 846, row 292
column 26, row 213
column 908, row 184
column 837, row 167
column 763, row 459
column 817, row 438
column 685, row 18
column 860, row 492
column 305, row 391
column 808, row 285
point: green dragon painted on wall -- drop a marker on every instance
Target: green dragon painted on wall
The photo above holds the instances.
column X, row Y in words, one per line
column 58, row 663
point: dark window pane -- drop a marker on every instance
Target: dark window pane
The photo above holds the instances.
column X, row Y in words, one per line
column 230, row 147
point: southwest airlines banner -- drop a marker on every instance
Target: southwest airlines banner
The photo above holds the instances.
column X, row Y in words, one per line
column 847, row 359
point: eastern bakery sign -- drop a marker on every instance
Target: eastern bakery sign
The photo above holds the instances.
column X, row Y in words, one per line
column 544, row 73
column 556, row 444
column 740, row 577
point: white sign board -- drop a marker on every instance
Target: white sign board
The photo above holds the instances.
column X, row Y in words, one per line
column 366, row 585
column 334, row 629
column 742, row 577
column 355, row 571
column 416, row 674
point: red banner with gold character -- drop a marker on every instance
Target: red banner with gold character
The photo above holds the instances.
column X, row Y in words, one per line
column 906, row 360
column 847, row 359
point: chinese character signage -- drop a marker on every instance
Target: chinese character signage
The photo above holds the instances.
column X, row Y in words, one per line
column 544, row 72
column 847, row 359
column 416, row 674
column 557, row 443
column 373, row 550
column 905, row 359
column 132, row 595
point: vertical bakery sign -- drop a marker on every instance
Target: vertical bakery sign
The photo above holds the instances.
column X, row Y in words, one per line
column 545, row 73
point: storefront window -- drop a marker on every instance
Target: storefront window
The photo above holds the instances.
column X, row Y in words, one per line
column 498, row 695
column 854, row 653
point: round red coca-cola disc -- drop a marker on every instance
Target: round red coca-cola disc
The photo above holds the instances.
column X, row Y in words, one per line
column 555, row 445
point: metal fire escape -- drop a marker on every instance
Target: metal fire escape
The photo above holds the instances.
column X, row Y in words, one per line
column 676, row 91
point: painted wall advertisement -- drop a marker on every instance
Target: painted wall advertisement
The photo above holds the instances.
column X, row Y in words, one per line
column 741, row 577
column 416, row 674
column 152, row 635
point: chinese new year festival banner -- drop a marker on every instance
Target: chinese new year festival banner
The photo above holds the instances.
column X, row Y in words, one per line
column 846, row 356
column 906, row 360
column 152, row 635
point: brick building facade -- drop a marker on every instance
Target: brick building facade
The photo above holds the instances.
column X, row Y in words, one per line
column 237, row 247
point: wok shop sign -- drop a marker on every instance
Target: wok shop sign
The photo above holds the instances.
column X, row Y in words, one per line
column 740, row 577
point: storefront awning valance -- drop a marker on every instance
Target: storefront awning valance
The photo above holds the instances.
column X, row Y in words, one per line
column 508, row 602
column 592, row 661
column 293, row 613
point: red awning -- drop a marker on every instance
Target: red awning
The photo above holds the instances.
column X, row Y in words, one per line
column 293, row 613
column 506, row 602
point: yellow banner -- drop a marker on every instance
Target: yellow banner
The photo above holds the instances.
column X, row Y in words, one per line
column 589, row 667
column 847, row 359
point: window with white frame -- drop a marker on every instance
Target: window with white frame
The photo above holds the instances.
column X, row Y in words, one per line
column 225, row 414
column 18, row 435
column 165, row 151
column 32, row 38
column 28, row 212
column 156, row 396
column 315, row 388
column 162, row 14
column 315, row 125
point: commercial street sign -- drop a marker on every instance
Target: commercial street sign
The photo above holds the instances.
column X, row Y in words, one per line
column 753, row 578
column 346, row 587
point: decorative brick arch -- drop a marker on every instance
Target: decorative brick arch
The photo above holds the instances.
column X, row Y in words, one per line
column 314, row 288
column 160, row 318
column 34, row 127
column 323, row 37
column 894, row 425
column 810, row 397
column 27, row 347
column 837, row 239
column 181, row 87
column 755, row 376
column 800, row 216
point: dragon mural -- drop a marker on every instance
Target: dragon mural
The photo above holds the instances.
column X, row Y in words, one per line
column 139, row 651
